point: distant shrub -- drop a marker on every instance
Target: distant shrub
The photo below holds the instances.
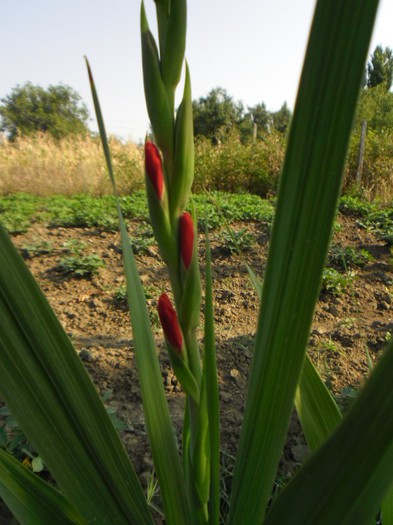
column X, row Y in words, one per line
column 236, row 167
column 377, row 176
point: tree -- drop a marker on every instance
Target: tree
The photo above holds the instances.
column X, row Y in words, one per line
column 380, row 68
column 282, row 118
column 261, row 117
column 216, row 114
column 57, row 110
column 376, row 107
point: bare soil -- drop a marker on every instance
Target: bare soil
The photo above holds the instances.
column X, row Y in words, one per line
column 98, row 324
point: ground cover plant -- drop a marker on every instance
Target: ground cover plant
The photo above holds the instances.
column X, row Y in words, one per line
column 79, row 444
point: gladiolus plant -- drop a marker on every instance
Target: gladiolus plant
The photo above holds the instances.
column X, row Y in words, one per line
column 347, row 480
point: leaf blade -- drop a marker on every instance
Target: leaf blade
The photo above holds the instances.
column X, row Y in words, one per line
column 46, row 387
column 301, row 232
column 347, row 478
column 30, row 499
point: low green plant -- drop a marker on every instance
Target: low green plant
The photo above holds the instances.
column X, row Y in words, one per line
column 381, row 222
column 335, row 282
column 142, row 240
column 74, row 246
column 84, row 211
column 346, row 257
column 36, row 247
column 17, row 212
column 347, row 477
column 354, row 205
column 236, row 241
column 81, row 265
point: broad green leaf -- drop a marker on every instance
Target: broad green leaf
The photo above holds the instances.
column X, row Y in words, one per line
column 30, row 499
column 158, row 421
column 47, row 389
column 306, row 207
column 317, row 410
column 346, row 479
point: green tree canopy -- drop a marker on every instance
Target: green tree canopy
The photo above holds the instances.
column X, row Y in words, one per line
column 216, row 114
column 260, row 116
column 282, row 118
column 58, row 110
column 380, row 68
column 376, row 107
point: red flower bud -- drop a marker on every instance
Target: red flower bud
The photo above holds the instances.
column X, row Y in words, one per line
column 153, row 166
column 186, row 235
column 169, row 322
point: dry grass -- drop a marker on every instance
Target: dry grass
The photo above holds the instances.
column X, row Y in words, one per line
column 41, row 165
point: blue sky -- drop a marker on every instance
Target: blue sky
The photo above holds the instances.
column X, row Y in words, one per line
column 253, row 48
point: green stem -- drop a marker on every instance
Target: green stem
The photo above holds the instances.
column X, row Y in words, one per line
column 194, row 361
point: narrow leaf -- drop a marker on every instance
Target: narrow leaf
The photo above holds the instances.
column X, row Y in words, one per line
column 158, row 421
column 183, row 172
column 172, row 55
column 158, row 107
column 318, row 412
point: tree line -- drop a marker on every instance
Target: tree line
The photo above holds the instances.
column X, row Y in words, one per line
column 60, row 111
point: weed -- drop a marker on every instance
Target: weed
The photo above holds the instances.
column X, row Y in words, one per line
column 142, row 241
column 83, row 212
column 120, row 295
column 74, row 246
column 328, row 345
column 346, row 257
column 237, row 241
column 352, row 205
column 81, row 265
column 17, row 213
column 336, row 283
column 381, row 222
column 348, row 322
column 32, row 249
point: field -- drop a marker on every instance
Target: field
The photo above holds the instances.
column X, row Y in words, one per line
column 73, row 249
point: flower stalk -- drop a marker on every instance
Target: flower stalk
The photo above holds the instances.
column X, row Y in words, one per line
column 169, row 166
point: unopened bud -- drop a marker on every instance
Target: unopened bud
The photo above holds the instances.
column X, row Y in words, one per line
column 186, row 238
column 170, row 323
column 153, row 166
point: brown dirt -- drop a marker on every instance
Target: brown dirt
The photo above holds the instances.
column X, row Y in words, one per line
column 99, row 326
